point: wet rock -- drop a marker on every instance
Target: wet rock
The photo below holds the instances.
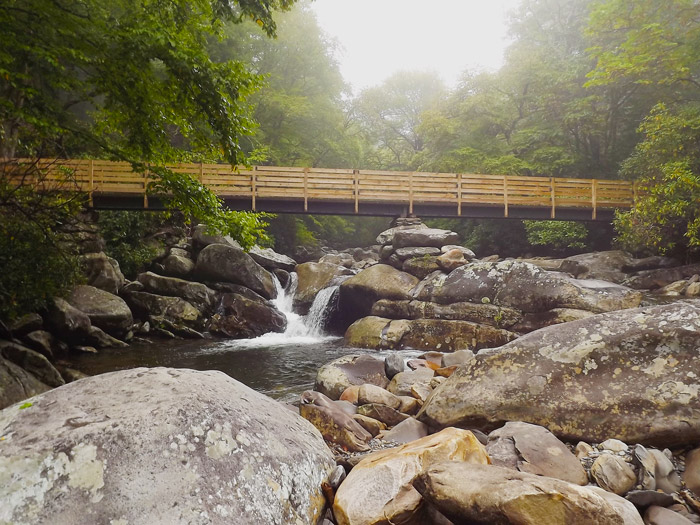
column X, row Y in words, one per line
column 134, row 445
column 334, row 377
column 100, row 339
column 68, row 323
column 360, row 292
column 368, row 394
column 31, row 361
column 334, row 424
column 367, row 493
column 661, row 516
column 472, row 493
column 218, row 262
column 394, row 364
column 637, row 364
column 423, row 237
column 652, row 279
column 534, row 449
column 178, row 266
column 371, row 425
column 283, row 276
column 406, row 431
column 16, row 384
column 314, row 277
column 26, row 324
column 613, row 474
column 528, row 288
column 174, row 309
column 271, row 260
column 196, row 294
column 102, row 272
column 244, row 318
column 402, row 383
column 105, row 310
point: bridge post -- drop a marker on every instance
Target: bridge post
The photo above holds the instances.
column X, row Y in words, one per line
column 145, row 188
column 252, row 186
column 306, row 189
column 91, row 173
column 356, row 189
column 459, row 194
column 410, row 193
column 505, row 196
column 594, row 198
column 553, row 197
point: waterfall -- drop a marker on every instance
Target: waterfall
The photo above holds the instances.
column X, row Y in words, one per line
column 323, row 305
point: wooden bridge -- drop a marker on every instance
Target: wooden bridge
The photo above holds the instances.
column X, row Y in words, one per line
column 364, row 192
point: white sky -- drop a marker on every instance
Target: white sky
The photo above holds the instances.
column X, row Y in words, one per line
column 380, row 37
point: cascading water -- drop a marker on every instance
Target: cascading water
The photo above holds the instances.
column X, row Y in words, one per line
column 323, row 304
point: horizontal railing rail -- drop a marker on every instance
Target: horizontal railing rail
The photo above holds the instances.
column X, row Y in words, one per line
column 99, row 177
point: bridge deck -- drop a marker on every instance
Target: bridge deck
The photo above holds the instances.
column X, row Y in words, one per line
column 366, row 192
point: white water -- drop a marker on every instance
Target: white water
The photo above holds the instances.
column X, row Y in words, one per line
column 301, row 330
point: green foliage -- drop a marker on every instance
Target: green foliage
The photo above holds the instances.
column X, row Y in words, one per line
column 666, row 215
column 36, row 265
column 486, row 237
column 558, row 235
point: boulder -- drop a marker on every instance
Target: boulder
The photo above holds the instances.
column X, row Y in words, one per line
column 271, row 260
column 528, row 288
column 423, row 237
column 244, row 318
column 660, row 516
column 41, row 341
column 451, row 260
column 613, row 474
column 201, row 238
column 334, row 377
column 66, row 322
column 382, row 413
column 160, row 446
column 339, row 259
column 403, row 383
column 366, row 495
column 25, row 324
column 374, row 394
column 482, row 313
column 420, row 267
column 394, row 364
column 691, row 476
column 417, row 252
column 379, row 333
column 372, row 426
column 606, row 266
column 98, row 338
column 387, row 236
column 534, row 449
column 219, row 262
column 197, row 294
column 534, row 321
column 105, row 310
column 637, row 364
column 466, row 252
column 312, row 278
column 490, row 495
column 334, row 424
column 457, row 358
column 381, row 281
column 102, row 272
column 173, row 309
column 16, row 384
column 31, row 361
column 652, row 279
column 177, row 266
column 408, row 430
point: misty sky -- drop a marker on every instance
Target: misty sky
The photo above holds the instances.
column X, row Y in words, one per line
column 380, row 37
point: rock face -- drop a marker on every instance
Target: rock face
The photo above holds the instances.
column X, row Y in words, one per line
column 159, row 446
column 220, row 262
column 16, row 384
column 196, row 294
column 334, row 377
column 490, row 495
column 105, row 310
column 244, row 317
column 271, row 260
column 31, row 361
column 67, row 322
column 435, row 334
column 314, row 277
column 528, row 288
column 381, row 281
column 368, row 493
column 630, row 375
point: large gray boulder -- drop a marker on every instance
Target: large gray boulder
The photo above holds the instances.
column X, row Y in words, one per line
column 312, row 278
column 219, row 262
column 177, row 266
column 424, row 237
column 606, row 266
column 105, row 310
column 653, row 279
column 630, row 375
column 174, row 309
column 196, row 294
column 16, row 384
column 333, row 378
column 201, row 238
column 387, row 236
column 67, row 322
column 529, row 288
column 381, row 281
column 31, row 361
column 271, row 260
column 159, row 446
column 242, row 317
column 102, row 272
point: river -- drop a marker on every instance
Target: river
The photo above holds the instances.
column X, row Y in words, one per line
column 279, row 365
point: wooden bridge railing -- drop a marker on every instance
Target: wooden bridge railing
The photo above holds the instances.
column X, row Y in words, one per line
column 97, row 177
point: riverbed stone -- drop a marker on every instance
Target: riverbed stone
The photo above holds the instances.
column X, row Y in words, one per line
column 432, row 237
column 613, row 474
column 387, row 236
column 401, row 384
column 334, row 424
column 369, row 393
column 691, row 475
column 534, row 321
column 487, row 494
column 381, row 281
column 174, row 309
column 366, row 495
column 102, row 272
column 452, row 259
column 410, row 429
column 460, row 357
column 383, row 413
column 177, row 266
column 409, row 405
column 534, row 449
column 530, row 289
column 334, row 377
column 67, row 322
column 420, row 267
column 653, row 279
column 416, row 251
column 159, row 446
column 371, row 425
column 312, row 278
column 41, row 341
column 105, row 310
column 665, row 475
column 26, row 324
column 656, row 515
column 605, row 265
column 271, row 260
column 219, row 262
column 241, row 317
column 394, row 364
column 17, row 384
column 197, row 294
column 31, row 361
column 638, row 364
